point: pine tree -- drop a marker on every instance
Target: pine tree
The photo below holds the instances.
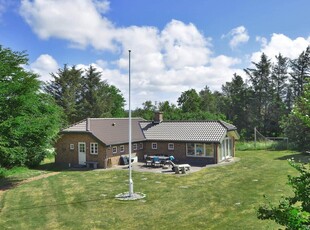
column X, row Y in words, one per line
column 66, row 89
column 260, row 78
column 300, row 71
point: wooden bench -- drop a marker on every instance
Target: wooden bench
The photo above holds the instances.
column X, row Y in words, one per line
column 94, row 164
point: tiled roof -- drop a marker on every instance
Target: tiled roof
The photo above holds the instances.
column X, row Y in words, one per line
column 115, row 130
column 109, row 130
column 205, row 131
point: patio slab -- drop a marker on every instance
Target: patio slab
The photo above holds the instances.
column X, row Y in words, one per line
column 141, row 167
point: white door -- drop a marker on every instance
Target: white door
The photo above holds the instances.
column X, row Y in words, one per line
column 82, row 153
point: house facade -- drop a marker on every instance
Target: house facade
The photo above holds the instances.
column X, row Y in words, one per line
column 105, row 140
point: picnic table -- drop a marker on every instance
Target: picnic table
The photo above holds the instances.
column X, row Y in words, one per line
column 156, row 160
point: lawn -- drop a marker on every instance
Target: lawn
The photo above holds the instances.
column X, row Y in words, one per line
column 214, row 198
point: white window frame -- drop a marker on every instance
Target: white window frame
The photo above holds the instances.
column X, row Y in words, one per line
column 141, row 145
column 154, row 145
column 170, row 146
column 114, row 149
column 71, row 147
column 94, row 148
column 121, row 149
column 135, row 146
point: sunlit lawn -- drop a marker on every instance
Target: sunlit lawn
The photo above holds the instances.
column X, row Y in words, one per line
column 224, row 197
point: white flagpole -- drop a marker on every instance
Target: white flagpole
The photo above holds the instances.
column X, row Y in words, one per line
column 130, row 176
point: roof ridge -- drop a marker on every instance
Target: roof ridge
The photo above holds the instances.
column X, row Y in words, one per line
column 227, row 125
column 115, row 118
column 179, row 121
column 74, row 124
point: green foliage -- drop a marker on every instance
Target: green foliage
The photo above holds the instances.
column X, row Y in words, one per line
column 29, row 119
column 300, row 72
column 83, row 94
column 189, row 101
column 2, row 172
column 297, row 132
column 292, row 212
column 302, row 108
column 66, row 88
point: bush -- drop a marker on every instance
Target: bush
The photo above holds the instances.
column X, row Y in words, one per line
column 292, row 212
column 2, row 172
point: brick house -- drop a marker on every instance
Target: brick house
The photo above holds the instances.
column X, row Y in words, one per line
column 105, row 140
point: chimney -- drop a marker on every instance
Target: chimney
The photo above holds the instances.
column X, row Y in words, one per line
column 88, row 124
column 158, row 117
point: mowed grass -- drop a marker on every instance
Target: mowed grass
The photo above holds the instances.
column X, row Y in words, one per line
column 225, row 197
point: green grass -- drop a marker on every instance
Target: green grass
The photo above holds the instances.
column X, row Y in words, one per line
column 261, row 145
column 214, row 198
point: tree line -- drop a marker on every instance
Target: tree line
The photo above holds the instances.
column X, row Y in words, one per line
column 275, row 99
column 265, row 100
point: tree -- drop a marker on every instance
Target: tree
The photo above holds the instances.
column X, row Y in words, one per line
column 300, row 71
column 66, row 90
column 29, row 119
column 98, row 98
column 279, row 76
column 189, row 101
column 276, row 107
column 237, row 104
column 302, row 108
column 296, row 125
column 292, row 212
column 260, row 79
column 207, row 101
column 147, row 112
column 116, row 101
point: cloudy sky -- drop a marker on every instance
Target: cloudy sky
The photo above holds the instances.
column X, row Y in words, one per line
column 175, row 45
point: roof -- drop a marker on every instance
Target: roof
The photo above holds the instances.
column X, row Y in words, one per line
column 109, row 130
column 115, row 130
column 205, row 131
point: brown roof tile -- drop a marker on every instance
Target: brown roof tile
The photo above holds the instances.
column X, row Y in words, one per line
column 110, row 130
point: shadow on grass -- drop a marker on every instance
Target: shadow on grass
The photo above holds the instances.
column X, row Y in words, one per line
column 7, row 183
column 298, row 158
column 15, row 180
column 56, row 205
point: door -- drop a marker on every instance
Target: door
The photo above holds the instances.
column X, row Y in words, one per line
column 82, row 153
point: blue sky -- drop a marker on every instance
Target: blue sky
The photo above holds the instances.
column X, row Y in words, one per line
column 176, row 45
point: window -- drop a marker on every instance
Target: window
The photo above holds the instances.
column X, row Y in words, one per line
column 141, row 145
column 190, row 149
column 154, row 145
column 71, row 146
column 94, row 148
column 135, row 146
column 200, row 150
column 114, row 149
column 121, row 149
column 209, row 150
column 170, row 146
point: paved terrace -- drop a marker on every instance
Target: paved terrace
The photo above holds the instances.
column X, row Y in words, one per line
column 141, row 167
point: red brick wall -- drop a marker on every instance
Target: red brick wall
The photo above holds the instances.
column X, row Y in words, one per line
column 65, row 155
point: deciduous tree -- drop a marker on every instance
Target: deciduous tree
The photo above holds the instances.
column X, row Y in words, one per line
column 29, row 119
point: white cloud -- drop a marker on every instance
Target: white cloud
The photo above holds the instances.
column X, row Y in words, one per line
column 79, row 21
column 237, row 36
column 279, row 43
column 184, row 45
column 44, row 65
column 164, row 63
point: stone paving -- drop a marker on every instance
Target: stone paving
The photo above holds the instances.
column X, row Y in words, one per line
column 141, row 167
